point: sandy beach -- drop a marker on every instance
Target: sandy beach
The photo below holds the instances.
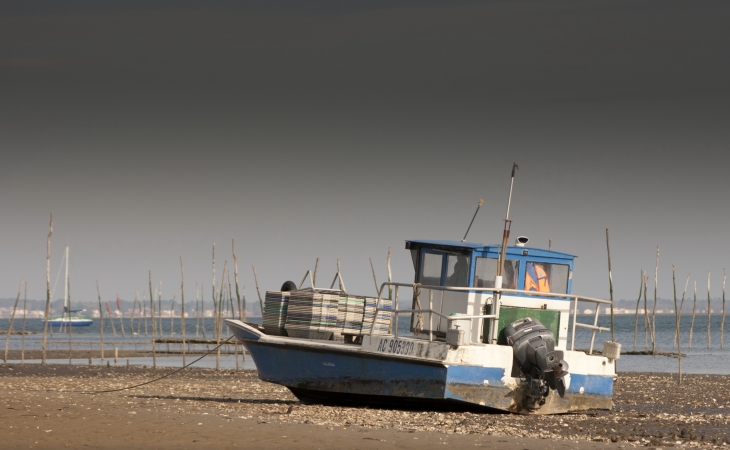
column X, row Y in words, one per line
column 47, row 407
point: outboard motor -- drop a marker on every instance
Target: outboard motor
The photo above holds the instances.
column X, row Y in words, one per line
column 533, row 346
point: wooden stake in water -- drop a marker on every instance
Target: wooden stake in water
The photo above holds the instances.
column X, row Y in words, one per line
column 109, row 313
column 677, row 318
column 638, row 301
column 653, row 313
column 314, row 276
column 159, row 308
column 681, row 305
column 647, row 323
column 154, row 326
column 722, row 323
column 172, row 316
column 202, row 308
column 197, row 310
column 610, row 283
column 10, row 325
column 101, row 320
column 709, row 311
column 144, row 312
column 182, row 307
column 241, row 306
column 375, row 280
column 68, row 285
column 694, row 310
column 121, row 315
column 258, row 291
column 219, row 322
column 48, row 291
column 131, row 317
column 25, row 313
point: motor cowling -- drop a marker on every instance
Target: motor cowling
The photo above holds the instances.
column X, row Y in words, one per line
column 533, row 347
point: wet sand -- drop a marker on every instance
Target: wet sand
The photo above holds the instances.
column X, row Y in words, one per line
column 43, row 407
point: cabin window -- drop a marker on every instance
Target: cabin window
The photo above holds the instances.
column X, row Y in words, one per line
column 457, row 271
column 431, row 266
column 545, row 277
column 486, row 270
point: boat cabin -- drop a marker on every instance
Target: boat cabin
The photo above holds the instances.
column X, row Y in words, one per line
column 440, row 265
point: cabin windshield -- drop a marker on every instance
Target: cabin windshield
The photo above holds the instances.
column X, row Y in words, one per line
column 444, row 269
column 486, row 270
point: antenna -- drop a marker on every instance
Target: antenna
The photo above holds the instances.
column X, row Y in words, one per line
column 481, row 202
column 505, row 234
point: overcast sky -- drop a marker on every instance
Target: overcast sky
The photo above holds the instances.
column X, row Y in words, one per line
column 339, row 129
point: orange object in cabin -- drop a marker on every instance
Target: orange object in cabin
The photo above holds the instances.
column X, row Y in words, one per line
column 536, row 278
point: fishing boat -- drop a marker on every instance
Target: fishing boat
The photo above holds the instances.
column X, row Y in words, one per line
column 69, row 317
column 489, row 325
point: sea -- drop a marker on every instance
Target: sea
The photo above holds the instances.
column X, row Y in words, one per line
column 700, row 357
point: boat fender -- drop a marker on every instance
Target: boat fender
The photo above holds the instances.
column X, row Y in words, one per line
column 288, row 286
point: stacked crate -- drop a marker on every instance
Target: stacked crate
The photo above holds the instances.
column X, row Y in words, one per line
column 382, row 319
column 275, row 313
column 311, row 315
column 350, row 312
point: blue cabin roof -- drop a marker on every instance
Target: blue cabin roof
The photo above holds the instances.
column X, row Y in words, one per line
column 486, row 248
column 457, row 263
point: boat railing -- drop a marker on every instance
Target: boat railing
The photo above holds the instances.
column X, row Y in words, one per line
column 418, row 287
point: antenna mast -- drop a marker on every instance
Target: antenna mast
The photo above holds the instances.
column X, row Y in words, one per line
column 505, row 234
column 481, row 202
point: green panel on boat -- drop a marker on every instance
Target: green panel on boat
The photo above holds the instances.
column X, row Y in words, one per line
column 508, row 314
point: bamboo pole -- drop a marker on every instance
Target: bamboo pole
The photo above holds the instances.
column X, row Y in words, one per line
column 241, row 306
column 159, row 308
column 694, row 310
column 182, row 307
column 25, row 313
column 314, row 276
column 131, row 317
column 219, row 322
column 653, row 313
column 258, row 291
column 678, row 318
column 154, row 326
column 10, row 325
column 197, row 310
column 339, row 274
column 121, row 315
column 610, row 283
column 722, row 323
column 681, row 305
column 101, row 320
column 70, row 326
column 638, row 301
column 202, row 308
column 647, row 323
column 172, row 316
column 144, row 312
column 230, row 297
column 48, row 290
column 709, row 310
column 375, row 280
column 111, row 321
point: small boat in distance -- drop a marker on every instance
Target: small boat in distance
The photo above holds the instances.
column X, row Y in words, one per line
column 69, row 317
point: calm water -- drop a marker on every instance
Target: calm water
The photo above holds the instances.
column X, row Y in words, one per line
column 699, row 358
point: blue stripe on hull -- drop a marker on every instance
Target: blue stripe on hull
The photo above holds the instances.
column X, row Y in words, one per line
column 591, row 384
column 345, row 372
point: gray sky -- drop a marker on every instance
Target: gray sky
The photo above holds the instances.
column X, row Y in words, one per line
column 154, row 129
